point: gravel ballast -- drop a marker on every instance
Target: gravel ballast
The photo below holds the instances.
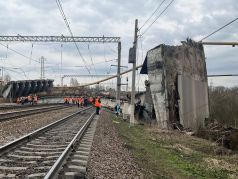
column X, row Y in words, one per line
column 15, row 128
column 109, row 158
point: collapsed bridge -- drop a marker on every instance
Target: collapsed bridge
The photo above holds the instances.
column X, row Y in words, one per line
column 14, row 89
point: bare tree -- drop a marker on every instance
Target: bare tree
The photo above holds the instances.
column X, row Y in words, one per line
column 73, row 82
column 223, row 105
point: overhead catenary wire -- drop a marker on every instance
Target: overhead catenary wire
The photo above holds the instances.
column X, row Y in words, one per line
column 7, row 51
column 219, row 29
column 158, row 7
column 142, row 59
column 71, row 33
column 104, row 51
column 91, row 58
column 31, row 53
column 61, row 59
column 8, row 69
column 18, row 53
column 112, row 50
column 156, row 18
column 109, row 78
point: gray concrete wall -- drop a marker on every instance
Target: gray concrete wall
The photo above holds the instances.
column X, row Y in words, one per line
column 193, row 102
column 157, row 86
column 164, row 65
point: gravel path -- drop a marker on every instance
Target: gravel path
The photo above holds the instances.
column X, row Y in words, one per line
column 108, row 158
column 13, row 129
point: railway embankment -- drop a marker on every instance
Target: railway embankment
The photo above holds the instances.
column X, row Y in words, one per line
column 157, row 153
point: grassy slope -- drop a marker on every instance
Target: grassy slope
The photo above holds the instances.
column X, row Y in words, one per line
column 164, row 154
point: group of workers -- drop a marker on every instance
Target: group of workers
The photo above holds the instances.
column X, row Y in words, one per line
column 81, row 101
column 84, row 101
column 32, row 99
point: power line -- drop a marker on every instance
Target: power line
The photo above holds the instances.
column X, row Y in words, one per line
column 91, row 59
column 71, row 33
column 141, row 47
column 18, row 52
column 152, row 14
column 105, row 61
column 8, row 69
column 156, row 18
column 104, row 51
column 31, row 52
column 114, row 51
column 219, row 29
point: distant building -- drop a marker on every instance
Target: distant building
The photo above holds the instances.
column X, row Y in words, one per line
column 178, row 85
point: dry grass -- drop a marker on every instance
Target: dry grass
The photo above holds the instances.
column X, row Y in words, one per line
column 169, row 154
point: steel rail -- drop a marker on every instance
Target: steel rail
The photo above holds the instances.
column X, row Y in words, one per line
column 29, row 136
column 25, row 106
column 60, row 161
column 17, row 114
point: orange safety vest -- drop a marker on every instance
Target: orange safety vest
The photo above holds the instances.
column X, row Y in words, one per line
column 18, row 100
column 97, row 104
column 90, row 100
column 29, row 98
column 35, row 98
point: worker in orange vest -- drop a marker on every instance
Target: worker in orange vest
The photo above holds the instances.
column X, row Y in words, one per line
column 35, row 99
column 90, row 100
column 81, row 101
column 68, row 99
column 18, row 100
column 97, row 105
column 29, row 98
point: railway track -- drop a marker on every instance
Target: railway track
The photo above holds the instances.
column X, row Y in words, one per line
column 59, row 149
column 6, row 108
column 17, row 114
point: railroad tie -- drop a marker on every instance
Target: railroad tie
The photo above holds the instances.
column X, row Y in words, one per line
column 76, row 166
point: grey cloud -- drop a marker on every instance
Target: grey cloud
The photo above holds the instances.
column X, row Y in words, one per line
column 183, row 19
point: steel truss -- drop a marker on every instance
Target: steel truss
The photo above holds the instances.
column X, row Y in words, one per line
column 60, row 39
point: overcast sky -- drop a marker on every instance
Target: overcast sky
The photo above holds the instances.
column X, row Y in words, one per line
column 194, row 19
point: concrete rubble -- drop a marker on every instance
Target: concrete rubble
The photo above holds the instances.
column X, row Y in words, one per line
column 177, row 85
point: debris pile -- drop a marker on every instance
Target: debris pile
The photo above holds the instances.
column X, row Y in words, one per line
column 225, row 136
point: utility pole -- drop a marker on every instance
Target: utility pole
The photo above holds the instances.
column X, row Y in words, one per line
column 127, row 85
column 2, row 70
column 118, row 74
column 42, row 68
column 61, row 63
column 62, row 81
column 2, row 74
column 132, row 117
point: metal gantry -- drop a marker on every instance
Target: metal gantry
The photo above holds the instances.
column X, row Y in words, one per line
column 60, row 39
